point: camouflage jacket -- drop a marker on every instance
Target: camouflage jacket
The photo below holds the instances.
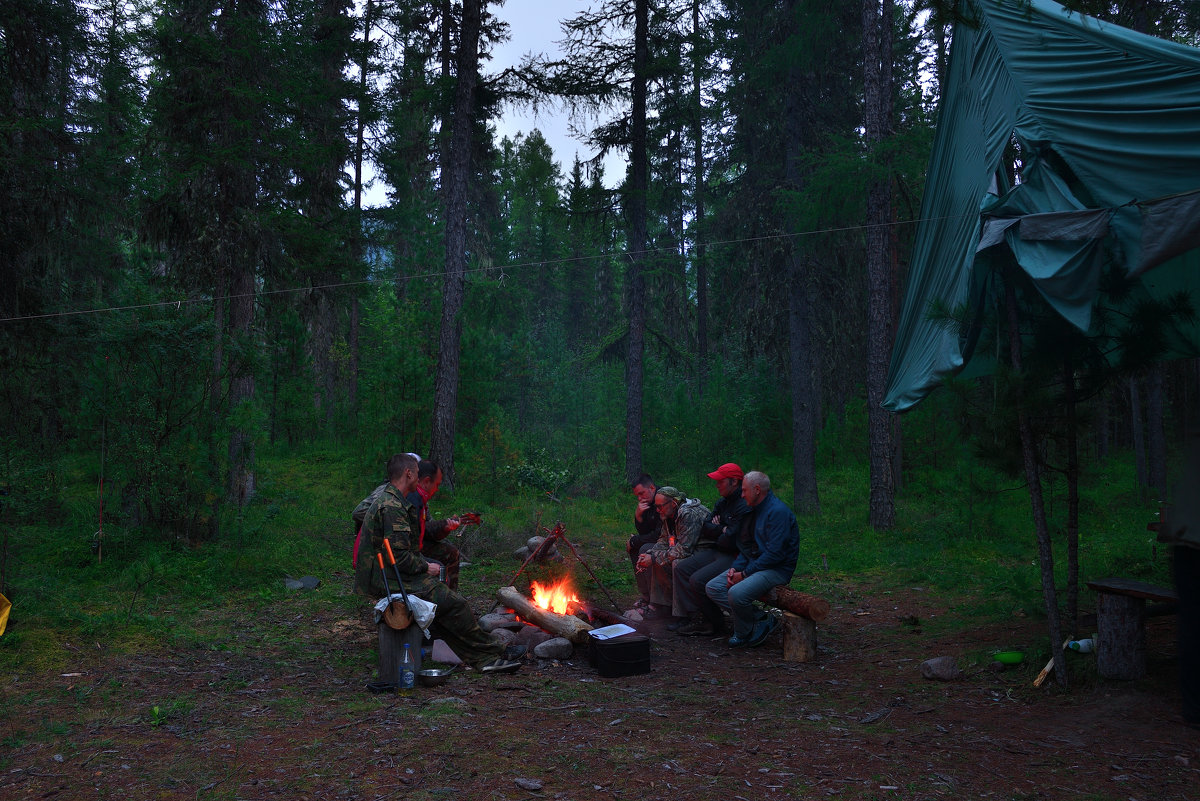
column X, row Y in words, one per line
column 678, row 537
column 392, row 516
column 360, row 512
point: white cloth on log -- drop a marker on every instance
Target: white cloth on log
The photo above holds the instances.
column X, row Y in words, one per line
column 423, row 611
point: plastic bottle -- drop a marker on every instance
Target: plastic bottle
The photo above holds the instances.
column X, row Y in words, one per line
column 408, row 673
column 1082, row 646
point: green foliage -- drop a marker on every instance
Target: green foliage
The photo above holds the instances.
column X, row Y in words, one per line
column 963, row 532
column 176, row 708
column 539, row 472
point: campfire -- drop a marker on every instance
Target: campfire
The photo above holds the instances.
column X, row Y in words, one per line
column 555, row 608
column 558, row 598
column 552, row 609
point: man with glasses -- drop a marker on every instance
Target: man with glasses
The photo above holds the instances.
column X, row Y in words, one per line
column 682, row 521
column 714, row 554
column 765, row 560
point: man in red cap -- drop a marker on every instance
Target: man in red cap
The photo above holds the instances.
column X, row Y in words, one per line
column 714, row 554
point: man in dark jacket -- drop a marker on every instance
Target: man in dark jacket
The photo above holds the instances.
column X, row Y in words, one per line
column 646, row 524
column 1182, row 529
column 713, row 556
column 766, row 561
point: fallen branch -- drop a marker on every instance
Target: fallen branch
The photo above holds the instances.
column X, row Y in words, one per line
column 1041, row 677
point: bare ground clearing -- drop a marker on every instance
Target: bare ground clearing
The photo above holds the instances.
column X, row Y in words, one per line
column 288, row 717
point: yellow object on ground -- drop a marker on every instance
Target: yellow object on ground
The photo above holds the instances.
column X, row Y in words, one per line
column 5, row 605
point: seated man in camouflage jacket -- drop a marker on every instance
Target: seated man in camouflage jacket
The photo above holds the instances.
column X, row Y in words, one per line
column 393, row 517
column 682, row 521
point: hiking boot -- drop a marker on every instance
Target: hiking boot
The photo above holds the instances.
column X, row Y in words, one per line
column 678, row 623
column 514, row 652
column 696, row 628
column 762, row 631
column 499, row 665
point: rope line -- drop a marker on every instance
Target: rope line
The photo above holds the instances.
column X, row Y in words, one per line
column 180, row 302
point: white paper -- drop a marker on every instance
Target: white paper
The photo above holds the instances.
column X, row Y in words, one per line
column 608, row 632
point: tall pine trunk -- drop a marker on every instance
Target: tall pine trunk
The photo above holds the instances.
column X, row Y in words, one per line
column 241, row 382
column 240, row 246
column 457, row 175
column 1071, row 403
column 635, row 204
column 1137, row 431
column 803, row 387
column 1156, row 441
column 698, row 192
column 356, row 231
column 803, row 377
column 877, row 104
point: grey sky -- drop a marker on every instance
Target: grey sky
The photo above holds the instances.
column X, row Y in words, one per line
column 534, row 27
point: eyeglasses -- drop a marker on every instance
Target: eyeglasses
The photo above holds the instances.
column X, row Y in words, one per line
column 661, row 506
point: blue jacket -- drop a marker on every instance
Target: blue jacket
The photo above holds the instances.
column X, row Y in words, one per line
column 776, row 540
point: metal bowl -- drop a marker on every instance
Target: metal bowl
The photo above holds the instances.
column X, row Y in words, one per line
column 434, row 677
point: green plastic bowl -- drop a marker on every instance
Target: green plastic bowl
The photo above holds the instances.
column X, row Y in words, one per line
column 1009, row 657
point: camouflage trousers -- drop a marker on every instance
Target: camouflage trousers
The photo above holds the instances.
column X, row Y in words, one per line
column 455, row 622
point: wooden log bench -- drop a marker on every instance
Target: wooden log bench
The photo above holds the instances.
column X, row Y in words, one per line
column 801, row 614
column 1120, row 624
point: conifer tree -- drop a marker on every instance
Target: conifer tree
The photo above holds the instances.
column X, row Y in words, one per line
column 457, row 176
column 214, row 120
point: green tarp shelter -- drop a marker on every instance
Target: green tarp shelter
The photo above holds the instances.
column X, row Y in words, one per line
column 1107, row 122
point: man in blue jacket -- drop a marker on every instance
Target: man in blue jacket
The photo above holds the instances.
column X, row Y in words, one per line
column 766, row 560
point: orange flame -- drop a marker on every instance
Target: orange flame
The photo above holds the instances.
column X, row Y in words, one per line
column 557, row 598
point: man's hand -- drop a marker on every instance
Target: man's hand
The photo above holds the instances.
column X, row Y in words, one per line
column 733, row 577
column 452, row 523
column 641, row 509
column 644, row 561
column 433, row 568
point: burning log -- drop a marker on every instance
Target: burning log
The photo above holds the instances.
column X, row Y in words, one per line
column 566, row 626
column 809, row 606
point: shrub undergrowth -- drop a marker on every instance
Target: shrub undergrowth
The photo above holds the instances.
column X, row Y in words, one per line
column 963, row 530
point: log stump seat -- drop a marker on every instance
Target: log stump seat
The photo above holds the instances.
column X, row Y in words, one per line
column 801, row 614
column 1120, row 624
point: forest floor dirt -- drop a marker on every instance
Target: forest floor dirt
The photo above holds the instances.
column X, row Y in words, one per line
column 266, row 717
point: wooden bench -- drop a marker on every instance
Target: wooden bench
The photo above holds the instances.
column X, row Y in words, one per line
column 801, row 614
column 1120, row 625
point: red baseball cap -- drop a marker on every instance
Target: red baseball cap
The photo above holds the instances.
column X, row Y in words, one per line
column 727, row 470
